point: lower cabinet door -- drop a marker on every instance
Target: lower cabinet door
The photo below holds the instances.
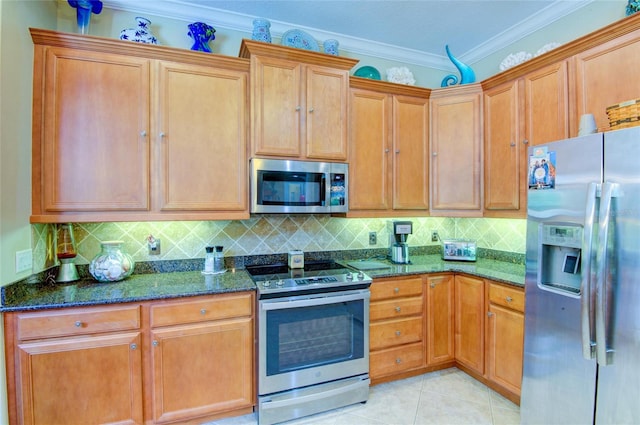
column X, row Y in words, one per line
column 93, row 379
column 505, row 347
column 201, row 369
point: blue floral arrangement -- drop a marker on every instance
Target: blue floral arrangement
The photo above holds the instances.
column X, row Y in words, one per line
column 633, row 6
column 84, row 9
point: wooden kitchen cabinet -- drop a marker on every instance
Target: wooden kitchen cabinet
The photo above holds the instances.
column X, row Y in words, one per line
column 298, row 102
column 202, row 357
column 505, row 336
column 528, row 111
column 606, row 75
column 396, row 327
column 119, row 135
column 388, row 145
column 440, row 318
column 80, row 365
column 469, row 322
column 456, row 151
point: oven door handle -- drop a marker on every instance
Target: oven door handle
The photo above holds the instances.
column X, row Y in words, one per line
column 304, row 301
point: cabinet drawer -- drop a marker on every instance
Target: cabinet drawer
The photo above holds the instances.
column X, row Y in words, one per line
column 396, row 360
column 395, row 332
column 213, row 308
column 505, row 296
column 77, row 321
column 396, row 288
column 395, row 308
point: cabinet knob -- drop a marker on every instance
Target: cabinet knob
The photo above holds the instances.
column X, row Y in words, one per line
column 396, row 290
column 512, row 144
column 298, row 108
column 154, row 343
column 386, row 150
column 133, row 346
column 310, row 110
column 489, row 314
column 398, row 360
column 398, row 333
column 203, row 311
column 143, row 133
column 78, row 324
column 162, row 134
column 525, row 142
column 509, row 299
column 433, row 285
column 398, row 309
column 435, row 154
column 397, row 150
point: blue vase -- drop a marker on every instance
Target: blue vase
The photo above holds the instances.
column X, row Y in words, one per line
column 261, row 30
column 202, row 34
column 141, row 33
column 331, row 47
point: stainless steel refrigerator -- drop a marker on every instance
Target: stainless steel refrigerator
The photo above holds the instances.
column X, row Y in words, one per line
column 582, row 314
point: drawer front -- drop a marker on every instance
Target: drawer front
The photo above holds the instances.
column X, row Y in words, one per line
column 395, row 308
column 214, row 308
column 507, row 297
column 396, row 360
column 395, row 332
column 76, row 321
column 385, row 289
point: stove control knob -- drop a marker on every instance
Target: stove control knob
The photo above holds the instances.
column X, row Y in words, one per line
column 280, row 282
column 266, row 283
column 349, row 276
column 360, row 275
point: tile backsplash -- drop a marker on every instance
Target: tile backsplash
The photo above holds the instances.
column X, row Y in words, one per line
column 271, row 234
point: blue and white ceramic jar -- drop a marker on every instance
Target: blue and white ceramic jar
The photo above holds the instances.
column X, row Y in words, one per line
column 261, row 30
column 140, row 34
column 331, row 47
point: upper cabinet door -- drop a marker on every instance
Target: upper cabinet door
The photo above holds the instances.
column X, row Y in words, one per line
column 91, row 132
column 277, row 105
column 201, row 138
column 327, row 92
column 410, row 153
column 456, row 151
column 369, row 145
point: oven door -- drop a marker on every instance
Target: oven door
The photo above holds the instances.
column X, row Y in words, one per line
column 306, row 340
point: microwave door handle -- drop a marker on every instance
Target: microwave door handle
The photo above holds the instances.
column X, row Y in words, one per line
column 604, row 354
column 587, row 289
column 323, row 193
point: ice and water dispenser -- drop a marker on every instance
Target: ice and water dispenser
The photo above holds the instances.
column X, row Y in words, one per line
column 559, row 262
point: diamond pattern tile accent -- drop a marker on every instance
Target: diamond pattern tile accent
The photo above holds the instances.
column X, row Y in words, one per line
column 271, row 234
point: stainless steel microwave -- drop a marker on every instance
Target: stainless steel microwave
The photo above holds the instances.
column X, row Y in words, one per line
column 289, row 186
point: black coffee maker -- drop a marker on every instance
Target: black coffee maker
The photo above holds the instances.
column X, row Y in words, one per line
column 400, row 231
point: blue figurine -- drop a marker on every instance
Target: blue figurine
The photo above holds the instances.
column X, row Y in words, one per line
column 202, row 34
column 466, row 73
column 84, row 9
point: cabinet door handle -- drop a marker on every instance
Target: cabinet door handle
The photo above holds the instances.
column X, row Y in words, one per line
column 203, row 311
column 397, row 150
column 398, row 333
column 143, row 133
column 398, row 309
column 298, row 108
column 489, row 314
column 435, row 154
column 396, row 290
column 310, row 110
column 525, row 142
column 162, row 134
column 509, row 299
column 154, row 343
column 398, row 360
column 433, row 285
column 78, row 324
column 133, row 346
column 512, row 144
column 386, row 150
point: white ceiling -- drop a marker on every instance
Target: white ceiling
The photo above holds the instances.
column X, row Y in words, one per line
column 409, row 31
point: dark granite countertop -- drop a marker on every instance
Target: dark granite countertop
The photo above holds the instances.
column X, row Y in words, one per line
column 137, row 287
column 22, row 296
column 501, row 271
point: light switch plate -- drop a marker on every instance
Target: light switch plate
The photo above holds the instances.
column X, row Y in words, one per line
column 24, row 261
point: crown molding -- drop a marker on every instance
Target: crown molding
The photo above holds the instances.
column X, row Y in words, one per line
column 189, row 12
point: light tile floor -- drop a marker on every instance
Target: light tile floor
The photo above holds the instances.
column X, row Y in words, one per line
column 445, row 397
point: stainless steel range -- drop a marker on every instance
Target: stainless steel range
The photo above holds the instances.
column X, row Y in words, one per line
column 313, row 339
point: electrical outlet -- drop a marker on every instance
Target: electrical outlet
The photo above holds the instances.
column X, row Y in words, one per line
column 434, row 236
column 154, row 247
column 24, row 261
column 373, row 238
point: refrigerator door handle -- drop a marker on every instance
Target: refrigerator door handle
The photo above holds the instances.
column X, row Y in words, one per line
column 603, row 353
column 587, row 290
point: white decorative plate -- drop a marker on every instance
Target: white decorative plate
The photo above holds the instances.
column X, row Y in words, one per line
column 300, row 40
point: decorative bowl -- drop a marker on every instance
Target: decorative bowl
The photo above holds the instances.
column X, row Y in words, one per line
column 367, row 72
